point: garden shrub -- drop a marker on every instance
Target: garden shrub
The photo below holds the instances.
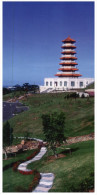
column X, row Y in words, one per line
column 86, row 185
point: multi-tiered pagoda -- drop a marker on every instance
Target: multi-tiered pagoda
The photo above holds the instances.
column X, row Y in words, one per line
column 68, row 78
column 68, row 59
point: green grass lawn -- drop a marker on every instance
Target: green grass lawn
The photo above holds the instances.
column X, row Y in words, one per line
column 79, row 115
column 70, row 170
column 13, row 94
column 13, row 181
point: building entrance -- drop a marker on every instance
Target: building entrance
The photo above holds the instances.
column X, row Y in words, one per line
column 56, row 83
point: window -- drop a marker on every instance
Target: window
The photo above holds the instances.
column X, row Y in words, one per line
column 50, row 83
column 72, row 83
column 60, row 83
column 46, row 83
column 81, row 84
column 65, row 83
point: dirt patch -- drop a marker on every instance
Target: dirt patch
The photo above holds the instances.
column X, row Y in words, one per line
column 28, row 145
column 76, row 139
column 53, row 158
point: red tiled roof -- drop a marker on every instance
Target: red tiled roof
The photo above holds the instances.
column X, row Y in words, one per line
column 68, row 57
column 68, row 40
column 68, row 46
column 68, row 63
column 68, row 69
column 68, row 52
column 68, row 75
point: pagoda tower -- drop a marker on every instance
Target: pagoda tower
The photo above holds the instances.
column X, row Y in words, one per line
column 68, row 60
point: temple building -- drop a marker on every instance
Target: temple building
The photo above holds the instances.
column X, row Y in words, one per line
column 67, row 78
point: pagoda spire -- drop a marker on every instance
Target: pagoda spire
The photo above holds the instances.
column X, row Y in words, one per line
column 68, row 59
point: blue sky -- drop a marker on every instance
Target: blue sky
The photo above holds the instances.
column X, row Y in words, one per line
column 32, row 35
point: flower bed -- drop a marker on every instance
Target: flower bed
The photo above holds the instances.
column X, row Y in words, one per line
column 26, row 172
column 35, row 181
column 36, row 174
column 15, row 166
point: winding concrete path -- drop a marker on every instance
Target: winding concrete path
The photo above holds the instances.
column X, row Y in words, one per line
column 46, row 180
column 45, row 183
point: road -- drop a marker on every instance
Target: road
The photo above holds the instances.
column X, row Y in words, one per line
column 12, row 109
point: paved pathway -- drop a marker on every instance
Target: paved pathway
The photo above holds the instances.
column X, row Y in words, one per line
column 46, row 180
column 45, row 183
column 23, row 166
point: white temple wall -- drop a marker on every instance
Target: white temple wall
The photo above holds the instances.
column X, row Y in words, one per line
column 70, row 83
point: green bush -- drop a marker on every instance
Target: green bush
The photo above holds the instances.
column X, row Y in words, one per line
column 86, row 185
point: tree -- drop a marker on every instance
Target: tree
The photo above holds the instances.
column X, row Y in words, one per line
column 7, row 136
column 18, row 87
column 6, row 91
column 53, row 128
column 25, row 86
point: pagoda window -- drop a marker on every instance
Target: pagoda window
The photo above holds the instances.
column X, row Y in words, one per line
column 81, row 84
column 72, row 83
column 46, row 83
column 50, row 83
column 65, row 83
column 60, row 83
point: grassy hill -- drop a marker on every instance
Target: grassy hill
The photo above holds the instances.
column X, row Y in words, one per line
column 79, row 114
column 73, row 173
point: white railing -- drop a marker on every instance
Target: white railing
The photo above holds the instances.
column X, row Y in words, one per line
column 67, row 55
column 67, row 44
column 68, row 67
column 67, row 50
column 66, row 61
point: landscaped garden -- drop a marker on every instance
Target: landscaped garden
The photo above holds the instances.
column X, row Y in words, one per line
column 13, row 181
column 73, row 172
